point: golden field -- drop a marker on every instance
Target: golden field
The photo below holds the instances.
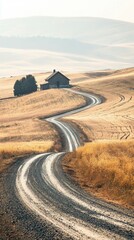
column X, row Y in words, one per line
column 20, row 118
column 96, row 165
column 21, row 127
column 114, row 119
column 11, row 150
column 105, row 169
column 7, row 83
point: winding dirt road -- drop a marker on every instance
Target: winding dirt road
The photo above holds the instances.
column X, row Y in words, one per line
column 55, row 207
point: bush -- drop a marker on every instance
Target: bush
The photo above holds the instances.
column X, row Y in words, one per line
column 25, row 85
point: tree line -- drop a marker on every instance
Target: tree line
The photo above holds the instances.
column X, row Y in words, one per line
column 25, row 85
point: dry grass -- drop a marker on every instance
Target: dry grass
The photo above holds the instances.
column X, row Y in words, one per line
column 20, row 121
column 39, row 104
column 11, row 150
column 7, row 83
column 105, row 169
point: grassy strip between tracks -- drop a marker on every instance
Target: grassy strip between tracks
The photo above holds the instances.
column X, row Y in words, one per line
column 11, row 150
column 105, row 169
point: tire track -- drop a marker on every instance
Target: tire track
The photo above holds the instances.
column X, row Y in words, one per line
column 46, row 191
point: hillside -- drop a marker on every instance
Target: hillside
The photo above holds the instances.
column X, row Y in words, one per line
column 23, row 131
column 72, row 44
column 115, row 114
column 114, row 118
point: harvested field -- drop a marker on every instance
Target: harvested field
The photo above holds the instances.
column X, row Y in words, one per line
column 106, row 168
column 114, row 119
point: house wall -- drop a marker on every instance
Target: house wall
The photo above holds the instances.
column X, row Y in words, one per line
column 44, row 86
column 58, row 81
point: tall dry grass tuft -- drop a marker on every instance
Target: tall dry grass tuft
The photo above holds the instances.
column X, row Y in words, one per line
column 105, row 169
column 10, row 150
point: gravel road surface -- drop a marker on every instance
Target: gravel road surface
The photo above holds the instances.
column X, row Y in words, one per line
column 48, row 205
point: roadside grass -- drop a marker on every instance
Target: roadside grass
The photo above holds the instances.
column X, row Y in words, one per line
column 105, row 169
column 11, row 150
column 20, row 123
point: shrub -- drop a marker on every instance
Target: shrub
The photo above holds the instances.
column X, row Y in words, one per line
column 25, row 85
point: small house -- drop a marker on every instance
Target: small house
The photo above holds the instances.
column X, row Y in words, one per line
column 56, row 80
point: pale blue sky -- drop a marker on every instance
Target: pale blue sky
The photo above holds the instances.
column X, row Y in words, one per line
column 114, row 9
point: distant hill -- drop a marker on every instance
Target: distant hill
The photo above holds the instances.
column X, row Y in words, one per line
column 92, row 30
column 66, row 43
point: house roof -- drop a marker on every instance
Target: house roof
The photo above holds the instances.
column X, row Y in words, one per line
column 55, row 73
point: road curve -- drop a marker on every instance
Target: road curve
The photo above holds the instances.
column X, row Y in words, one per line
column 46, row 191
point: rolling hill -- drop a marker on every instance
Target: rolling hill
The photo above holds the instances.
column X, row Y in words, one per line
column 72, row 44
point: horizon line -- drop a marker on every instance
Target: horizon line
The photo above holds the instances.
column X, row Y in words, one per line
column 49, row 16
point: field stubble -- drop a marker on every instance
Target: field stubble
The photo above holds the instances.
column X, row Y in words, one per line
column 114, row 119
column 106, row 168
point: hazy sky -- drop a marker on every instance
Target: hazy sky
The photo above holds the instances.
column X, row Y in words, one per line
column 114, row 9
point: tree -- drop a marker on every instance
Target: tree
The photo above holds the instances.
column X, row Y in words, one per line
column 17, row 88
column 31, row 84
column 25, row 85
